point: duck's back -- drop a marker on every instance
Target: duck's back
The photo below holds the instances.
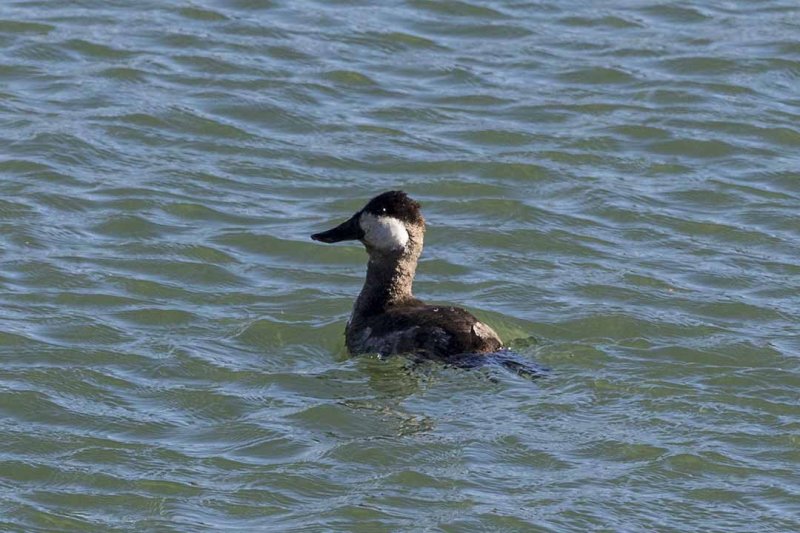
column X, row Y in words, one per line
column 434, row 331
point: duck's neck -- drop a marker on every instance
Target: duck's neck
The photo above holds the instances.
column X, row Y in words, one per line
column 389, row 280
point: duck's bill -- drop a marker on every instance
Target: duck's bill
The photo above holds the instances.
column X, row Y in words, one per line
column 347, row 231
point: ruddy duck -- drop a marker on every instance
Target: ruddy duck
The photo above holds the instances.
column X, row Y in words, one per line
column 387, row 318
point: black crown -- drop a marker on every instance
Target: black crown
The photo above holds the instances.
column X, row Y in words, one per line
column 395, row 204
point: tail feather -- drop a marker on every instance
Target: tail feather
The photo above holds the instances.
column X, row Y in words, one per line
column 520, row 367
column 505, row 358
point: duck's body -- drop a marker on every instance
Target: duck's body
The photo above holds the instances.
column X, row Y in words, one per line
column 438, row 332
column 387, row 318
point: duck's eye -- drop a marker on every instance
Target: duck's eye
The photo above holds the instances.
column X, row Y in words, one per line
column 383, row 209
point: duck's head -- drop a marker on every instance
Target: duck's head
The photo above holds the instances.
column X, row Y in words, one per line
column 390, row 223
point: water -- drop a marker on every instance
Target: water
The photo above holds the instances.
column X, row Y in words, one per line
column 613, row 186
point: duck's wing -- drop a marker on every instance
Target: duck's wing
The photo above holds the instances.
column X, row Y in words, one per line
column 437, row 330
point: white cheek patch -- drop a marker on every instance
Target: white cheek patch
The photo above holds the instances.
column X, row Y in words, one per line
column 383, row 233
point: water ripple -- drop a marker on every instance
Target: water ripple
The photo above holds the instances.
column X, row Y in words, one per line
column 614, row 188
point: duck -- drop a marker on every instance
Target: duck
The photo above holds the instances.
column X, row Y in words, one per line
column 387, row 318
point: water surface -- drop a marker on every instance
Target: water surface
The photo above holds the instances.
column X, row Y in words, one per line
column 612, row 186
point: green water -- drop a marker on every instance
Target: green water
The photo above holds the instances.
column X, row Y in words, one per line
column 613, row 186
